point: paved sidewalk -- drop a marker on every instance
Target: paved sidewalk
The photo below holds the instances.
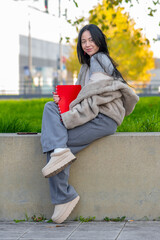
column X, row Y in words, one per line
column 136, row 230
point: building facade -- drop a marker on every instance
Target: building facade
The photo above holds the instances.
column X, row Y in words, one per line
column 154, row 85
column 32, row 59
column 39, row 67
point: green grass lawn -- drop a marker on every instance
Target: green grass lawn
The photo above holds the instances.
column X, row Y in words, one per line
column 26, row 116
column 21, row 115
column 144, row 118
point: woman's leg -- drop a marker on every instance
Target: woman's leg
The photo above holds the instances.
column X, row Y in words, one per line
column 61, row 191
column 53, row 132
column 80, row 137
column 55, row 135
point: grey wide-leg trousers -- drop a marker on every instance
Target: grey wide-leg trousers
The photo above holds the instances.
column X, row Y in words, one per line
column 55, row 135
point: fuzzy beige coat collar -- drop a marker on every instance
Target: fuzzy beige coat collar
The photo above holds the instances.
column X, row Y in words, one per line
column 102, row 94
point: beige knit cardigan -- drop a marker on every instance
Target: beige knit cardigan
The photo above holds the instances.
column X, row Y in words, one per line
column 102, row 94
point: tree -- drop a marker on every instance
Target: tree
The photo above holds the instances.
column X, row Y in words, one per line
column 72, row 63
column 152, row 7
column 127, row 46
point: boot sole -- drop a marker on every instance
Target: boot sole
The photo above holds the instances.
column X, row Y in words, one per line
column 68, row 211
column 57, row 168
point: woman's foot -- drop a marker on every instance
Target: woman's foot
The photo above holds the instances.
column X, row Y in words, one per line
column 58, row 162
column 62, row 211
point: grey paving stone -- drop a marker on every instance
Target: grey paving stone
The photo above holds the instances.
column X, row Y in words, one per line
column 97, row 230
column 10, row 234
column 101, row 225
column 12, row 230
column 50, row 231
column 93, row 235
column 137, row 230
column 12, row 225
column 45, row 235
column 141, row 231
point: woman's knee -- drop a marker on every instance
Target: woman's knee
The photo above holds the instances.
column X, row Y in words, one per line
column 113, row 131
column 50, row 105
column 109, row 126
column 112, row 128
column 47, row 105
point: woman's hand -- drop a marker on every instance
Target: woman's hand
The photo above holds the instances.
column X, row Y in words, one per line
column 56, row 98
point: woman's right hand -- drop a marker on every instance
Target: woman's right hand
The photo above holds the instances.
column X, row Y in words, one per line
column 56, row 97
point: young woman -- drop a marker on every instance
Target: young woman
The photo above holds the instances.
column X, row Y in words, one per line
column 103, row 102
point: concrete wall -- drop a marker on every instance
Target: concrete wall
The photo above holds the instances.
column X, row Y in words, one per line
column 115, row 176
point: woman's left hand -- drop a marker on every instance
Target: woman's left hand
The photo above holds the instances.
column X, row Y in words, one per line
column 56, row 97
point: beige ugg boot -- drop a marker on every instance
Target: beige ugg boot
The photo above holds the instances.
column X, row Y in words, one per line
column 62, row 211
column 58, row 162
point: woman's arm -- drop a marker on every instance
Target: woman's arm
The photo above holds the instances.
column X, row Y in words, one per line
column 83, row 112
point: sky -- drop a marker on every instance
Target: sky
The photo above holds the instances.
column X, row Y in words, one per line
column 48, row 26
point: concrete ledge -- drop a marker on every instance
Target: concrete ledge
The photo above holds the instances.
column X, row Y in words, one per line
column 115, row 176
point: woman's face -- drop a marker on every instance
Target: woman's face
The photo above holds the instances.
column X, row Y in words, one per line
column 87, row 43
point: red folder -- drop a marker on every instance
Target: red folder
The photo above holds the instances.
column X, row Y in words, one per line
column 67, row 94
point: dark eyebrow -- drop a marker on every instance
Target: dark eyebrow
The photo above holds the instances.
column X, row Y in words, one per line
column 85, row 39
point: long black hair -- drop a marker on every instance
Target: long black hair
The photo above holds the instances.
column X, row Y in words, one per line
column 100, row 40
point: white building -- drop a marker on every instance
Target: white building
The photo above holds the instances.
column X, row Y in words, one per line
column 17, row 56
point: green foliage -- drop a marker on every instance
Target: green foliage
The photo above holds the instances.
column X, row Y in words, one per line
column 38, row 219
column 83, row 219
column 49, row 221
column 75, row 3
column 152, row 5
column 112, row 3
column 34, row 218
column 17, row 221
column 27, row 218
column 118, row 219
column 22, row 220
column 115, row 3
